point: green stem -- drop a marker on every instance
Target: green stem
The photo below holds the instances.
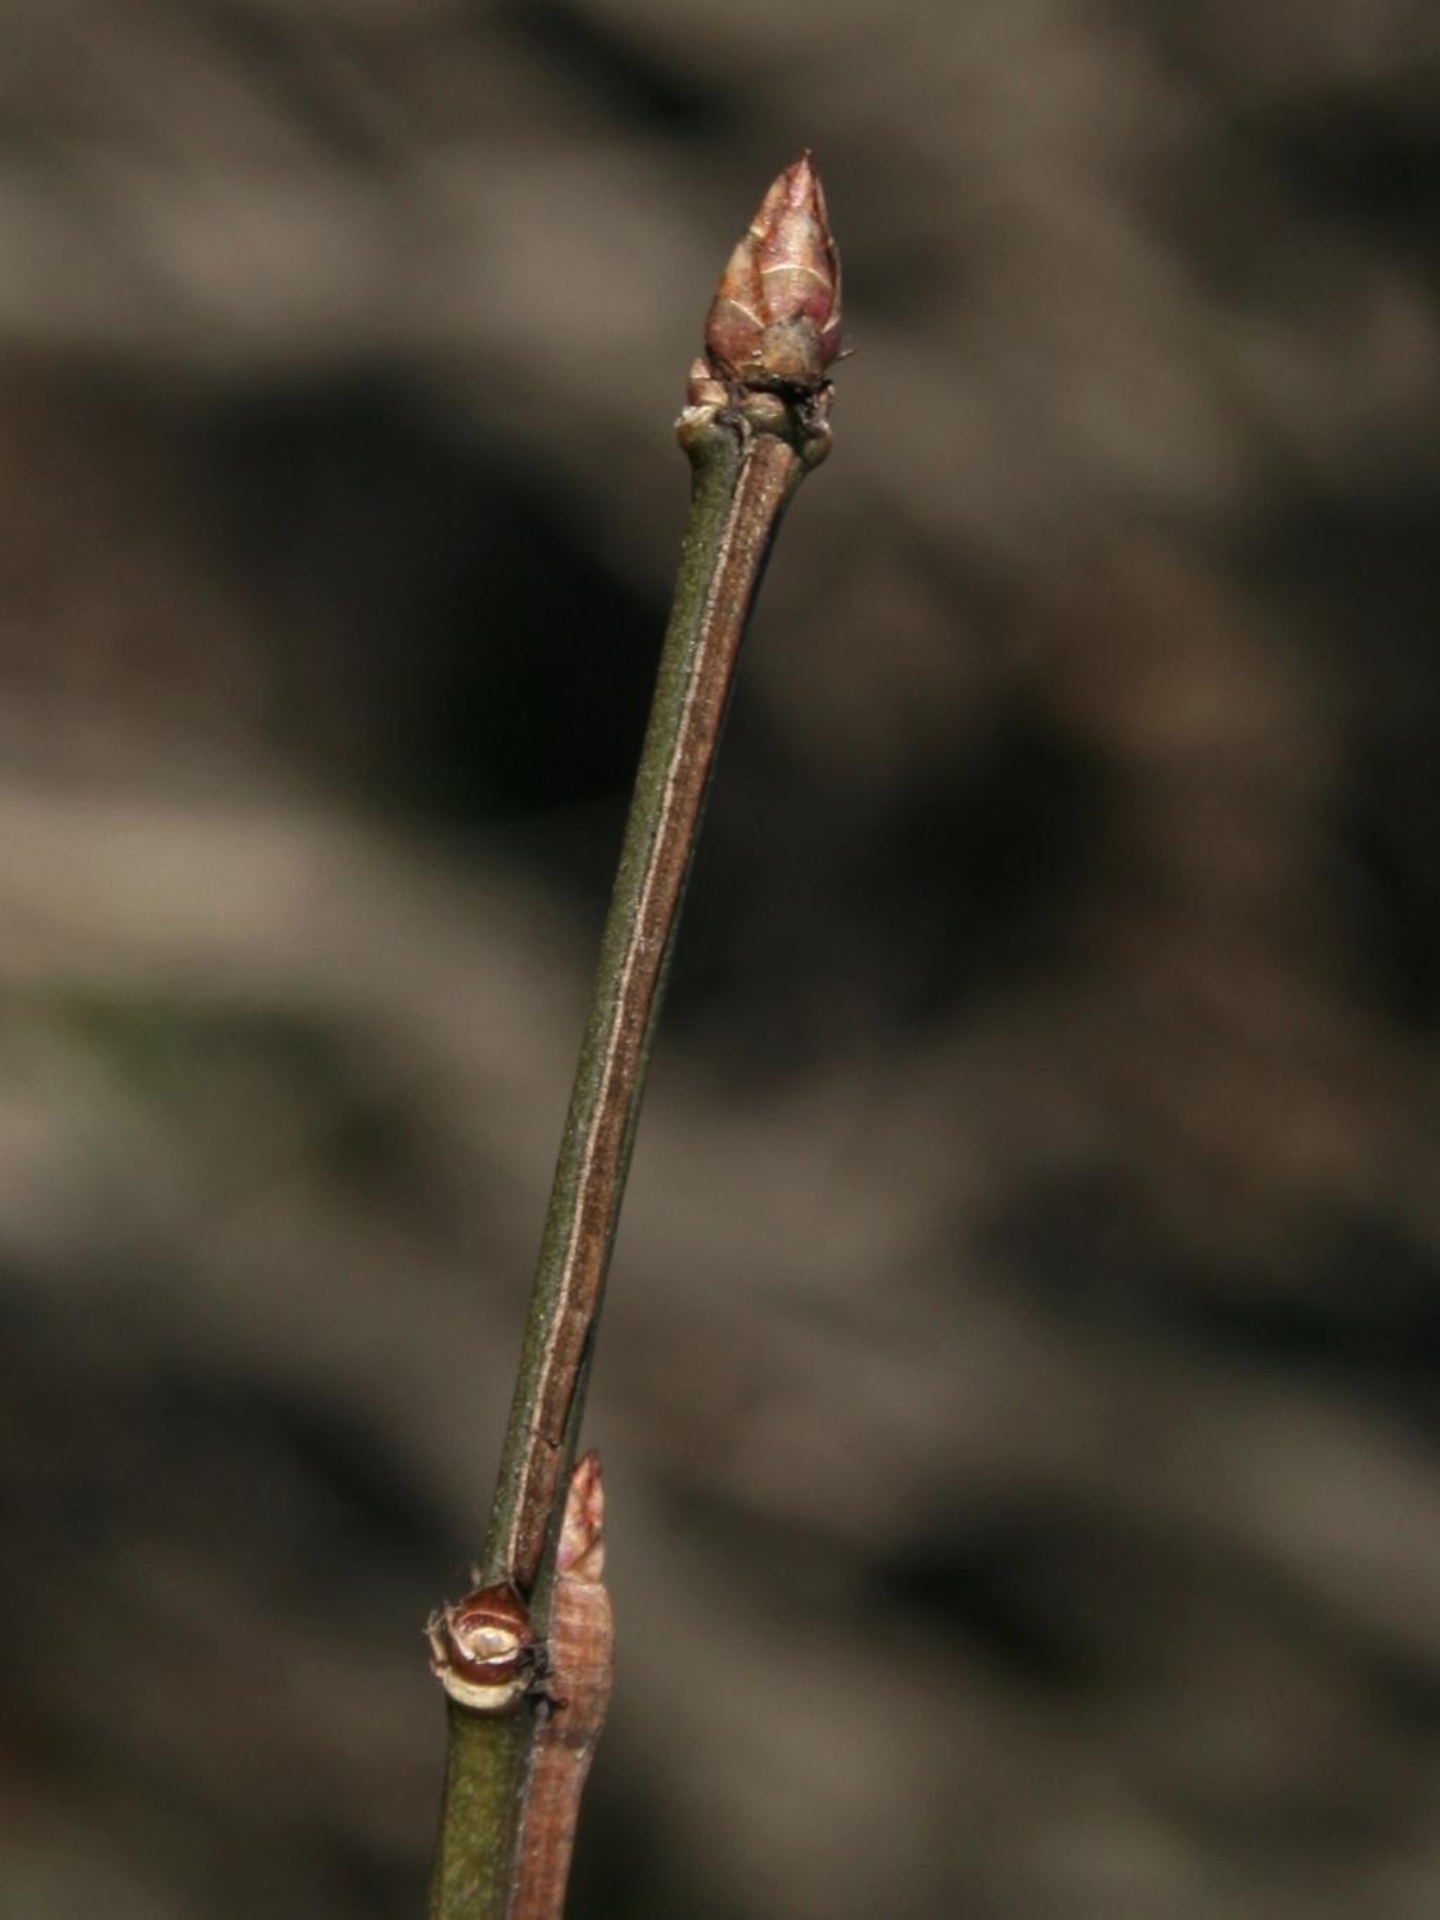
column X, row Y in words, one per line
column 740, row 489
column 484, row 1769
column 744, row 474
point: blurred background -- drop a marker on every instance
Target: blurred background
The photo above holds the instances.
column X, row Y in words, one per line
column 1018, row 1389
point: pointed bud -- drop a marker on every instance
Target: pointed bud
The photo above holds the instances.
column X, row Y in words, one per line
column 582, row 1531
column 775, row 321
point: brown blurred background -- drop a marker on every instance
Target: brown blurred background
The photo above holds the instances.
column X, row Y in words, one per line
column 1019, row 1387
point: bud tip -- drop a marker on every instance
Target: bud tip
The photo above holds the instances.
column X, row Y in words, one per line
column 582, row 1531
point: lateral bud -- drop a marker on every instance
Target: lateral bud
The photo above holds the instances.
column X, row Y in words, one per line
column 775, row 321
column 582, row 1531
column 482, row 1649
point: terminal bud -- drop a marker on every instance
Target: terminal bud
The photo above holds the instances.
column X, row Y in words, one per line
column 775, row 320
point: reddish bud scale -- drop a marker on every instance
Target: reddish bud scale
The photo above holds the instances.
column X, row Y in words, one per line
column 581, row 1554
column 775, row 320
column 484, row 1650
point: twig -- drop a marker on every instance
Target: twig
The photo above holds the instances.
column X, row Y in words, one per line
column 755, row 424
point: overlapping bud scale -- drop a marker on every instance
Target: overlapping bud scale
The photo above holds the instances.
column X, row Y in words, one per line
column 775, row 320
